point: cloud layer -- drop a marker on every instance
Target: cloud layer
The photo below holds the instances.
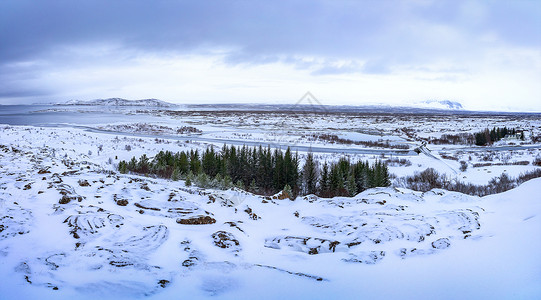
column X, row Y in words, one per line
column 215, row 51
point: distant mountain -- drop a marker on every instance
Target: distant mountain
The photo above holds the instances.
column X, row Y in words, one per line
column 417, row 108
column 442, row 104
column 120, row 102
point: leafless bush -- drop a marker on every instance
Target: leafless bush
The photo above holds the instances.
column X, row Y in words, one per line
column 528, row 175
column 188, row 129
column 430, row 179
column 488, row 157
column 536, row 138
column 463, row 166
column 333, row 138
column 454, row 139
column 423, row 181
column 516, row 163
column 481, row 165
column 398, row 162
column 445, row 156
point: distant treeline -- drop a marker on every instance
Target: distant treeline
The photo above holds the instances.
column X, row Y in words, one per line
column 262, row 170
column 488, row 137
column 333, row 138
column 481, row 138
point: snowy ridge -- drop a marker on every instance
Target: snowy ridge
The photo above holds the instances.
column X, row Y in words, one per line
column 440, row 104
column 120, row 102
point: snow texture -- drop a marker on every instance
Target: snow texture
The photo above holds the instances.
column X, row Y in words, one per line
column 70, row 227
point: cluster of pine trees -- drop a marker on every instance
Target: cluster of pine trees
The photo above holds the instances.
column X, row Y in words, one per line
column 262, row 171
column 488, row 137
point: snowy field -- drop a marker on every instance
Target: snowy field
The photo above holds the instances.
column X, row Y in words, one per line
column 71, row 226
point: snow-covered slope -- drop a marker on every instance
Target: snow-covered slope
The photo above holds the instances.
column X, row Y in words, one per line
column 440, row 104
column 120, row 102
column 72, row 228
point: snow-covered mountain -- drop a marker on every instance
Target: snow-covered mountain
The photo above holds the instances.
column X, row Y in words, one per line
column 441, row 104
column 121, row 102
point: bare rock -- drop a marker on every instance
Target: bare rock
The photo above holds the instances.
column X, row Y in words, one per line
column 84, row 182
column 122, row 202
column 199, row 220
column 226, row 240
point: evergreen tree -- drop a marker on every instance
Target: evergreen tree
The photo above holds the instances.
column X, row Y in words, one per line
column 253, row 187
column 227, row 183
column 263, row 171
column 309, row 175
column 143, row 166
column 202, row 180
column 287, row 191
column 218, row 182
column 123, row 167
column 176, row 174
column 189, row 178
column 195, row 163
column 324, row 184
column 351, row 186
column 182, row 162
column 278, row 174
column 240, row 184
column 209, row 162
column 132, row 165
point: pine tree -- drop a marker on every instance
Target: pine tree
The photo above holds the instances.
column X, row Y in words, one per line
column 253, row 187
column 209, row 162
column 202, row 180
column 278, row 166
column 195, row 163
column 143, row 166
column 227, row 183
column 287, row 191
column 218, row 181
column 240, row 184
column 183, row 163
column 324, row 185
column 309, row 175
column 189, row 178
column 176, row 174
column 132, row 165
column 351, row 186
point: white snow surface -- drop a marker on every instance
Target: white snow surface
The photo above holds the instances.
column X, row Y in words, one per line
column 384, row 243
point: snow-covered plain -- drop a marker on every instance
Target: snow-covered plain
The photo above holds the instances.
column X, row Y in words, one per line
column 125, row 236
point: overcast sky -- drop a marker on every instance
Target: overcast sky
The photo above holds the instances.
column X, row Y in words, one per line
column 484, row 54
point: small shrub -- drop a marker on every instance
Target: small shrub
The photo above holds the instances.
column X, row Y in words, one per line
column 463, row 166
column 394, row 162
column 445, row 156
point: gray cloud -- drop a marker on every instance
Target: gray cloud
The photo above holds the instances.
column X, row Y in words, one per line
column 373, row 37
column 256, row 30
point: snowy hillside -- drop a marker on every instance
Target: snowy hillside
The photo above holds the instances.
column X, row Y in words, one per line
column 72, row 227
column 120, row 102
column 440, row 104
